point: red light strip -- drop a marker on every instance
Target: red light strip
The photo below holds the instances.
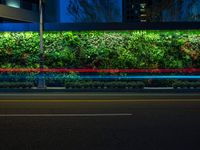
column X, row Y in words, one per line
column 37, row 70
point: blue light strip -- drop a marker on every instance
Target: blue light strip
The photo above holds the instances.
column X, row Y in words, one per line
column 140, row 77
column 22, row 27
column 18, row 27
column 54, row 76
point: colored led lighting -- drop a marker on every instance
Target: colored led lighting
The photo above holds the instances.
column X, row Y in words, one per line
column 13, row 3
column 140, row 77
column 50, row 76
column 188, row 70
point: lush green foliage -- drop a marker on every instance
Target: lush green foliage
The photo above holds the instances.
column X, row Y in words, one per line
column 123, row 49
column 19, row 50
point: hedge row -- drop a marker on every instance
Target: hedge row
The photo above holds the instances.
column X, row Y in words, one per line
column 105, row 85
column 5, row 85
column 186, row 84
column 101, row 85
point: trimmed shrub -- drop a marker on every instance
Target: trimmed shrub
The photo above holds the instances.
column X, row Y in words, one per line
column 185, row 84
column 13, row 85
column 104, row 85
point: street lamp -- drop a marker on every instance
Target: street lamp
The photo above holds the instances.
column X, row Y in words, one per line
column 41, row 81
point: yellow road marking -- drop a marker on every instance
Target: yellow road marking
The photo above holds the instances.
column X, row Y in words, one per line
column 94, row 101
column 66, row 115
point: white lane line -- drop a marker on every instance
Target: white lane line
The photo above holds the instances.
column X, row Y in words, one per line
column 65, row 115
column 99, row 94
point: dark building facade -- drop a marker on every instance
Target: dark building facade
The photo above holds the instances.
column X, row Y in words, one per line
column 161, row 11
column 19, row 10
column 135, row 10
column 14, row 10
column 24, row 4
column 115, row 11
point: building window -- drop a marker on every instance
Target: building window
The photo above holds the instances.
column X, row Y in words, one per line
column 24, row 4
column 134, row 11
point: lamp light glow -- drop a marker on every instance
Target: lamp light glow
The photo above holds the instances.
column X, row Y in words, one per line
column 13, row 3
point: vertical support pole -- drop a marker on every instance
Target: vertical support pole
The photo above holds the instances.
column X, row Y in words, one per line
column 41, row 81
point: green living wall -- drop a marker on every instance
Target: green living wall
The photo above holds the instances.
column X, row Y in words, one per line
column 99, row 49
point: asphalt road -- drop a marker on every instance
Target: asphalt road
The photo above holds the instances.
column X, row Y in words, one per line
column 112, row 124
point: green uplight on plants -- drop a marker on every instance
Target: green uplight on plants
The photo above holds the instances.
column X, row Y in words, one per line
column 102, row 49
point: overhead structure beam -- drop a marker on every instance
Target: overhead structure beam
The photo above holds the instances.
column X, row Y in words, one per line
column 18, row 14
